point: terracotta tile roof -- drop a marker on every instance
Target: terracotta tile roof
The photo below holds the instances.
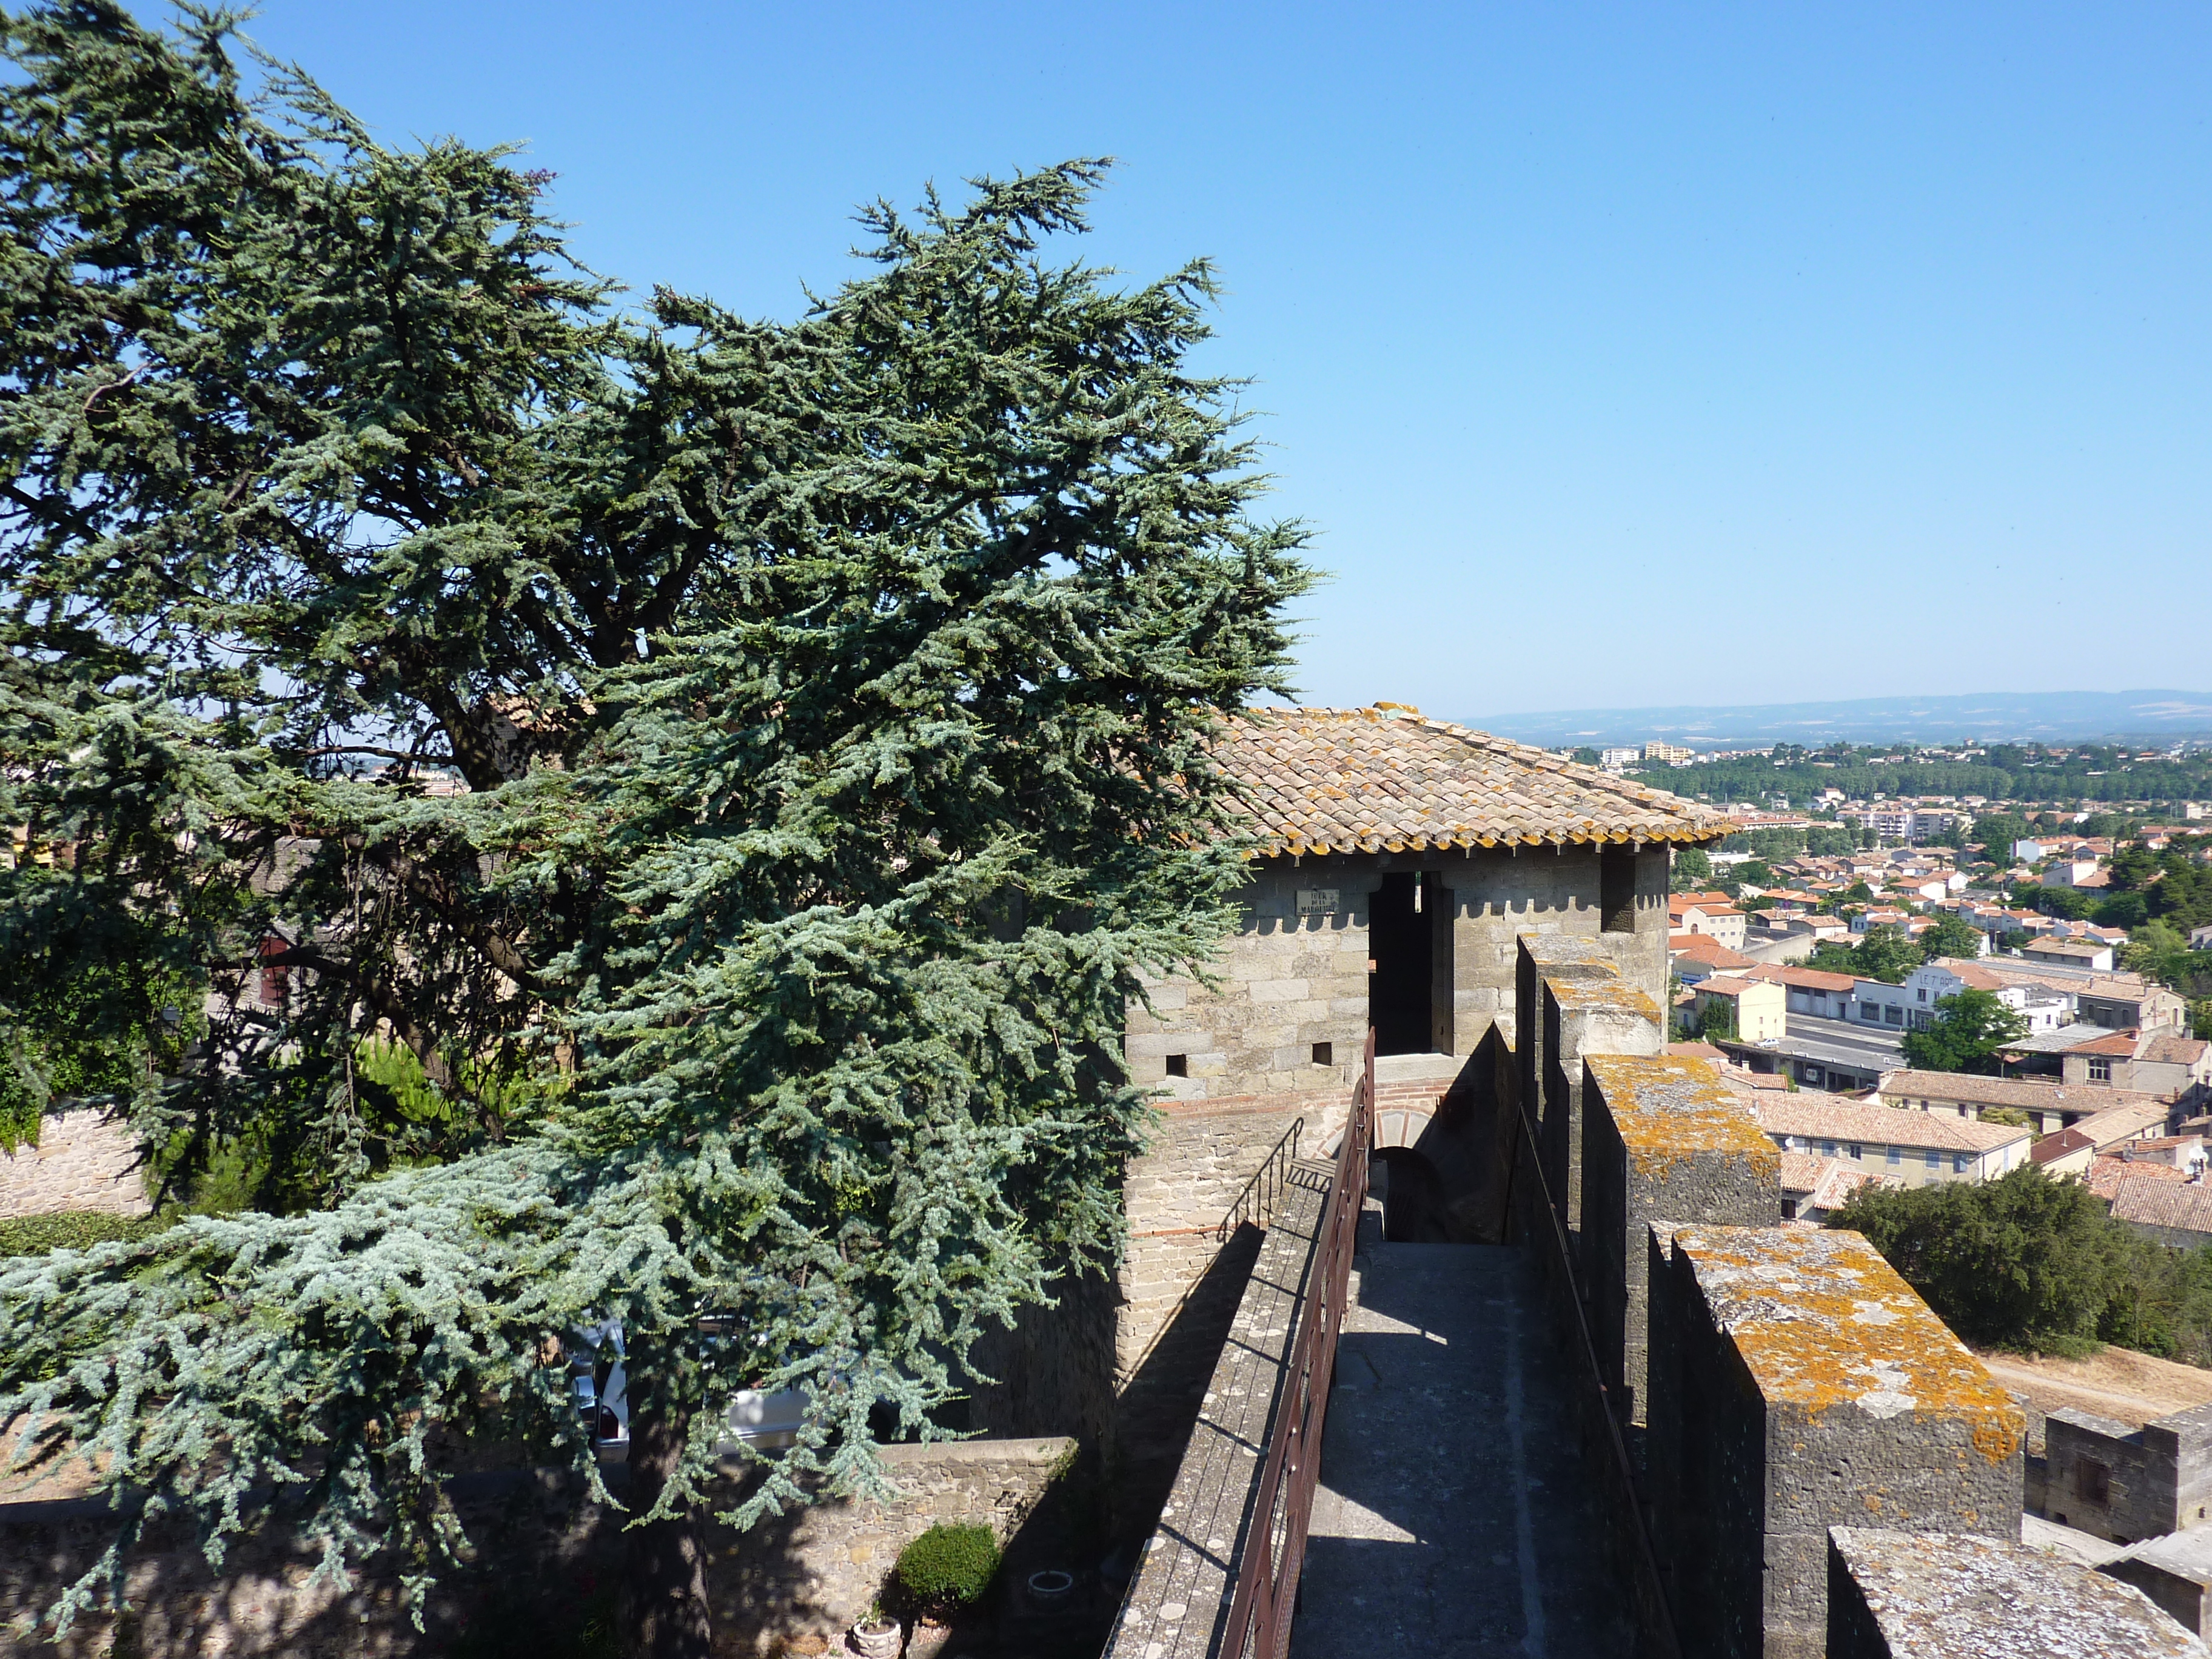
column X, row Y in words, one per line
column 1823, row 1117
column 2124, row 1121
column 2005, row 1091
column 1823, row 1183
column 2167, row 1049
column 2106, row 1174
column 1724, row 986
column 2050, row 1148
column 2184, row 1206
column 1801, row 979
column 1704, row 948
column 2122, row 1043
column 1695, row 1051
column 1387, row 779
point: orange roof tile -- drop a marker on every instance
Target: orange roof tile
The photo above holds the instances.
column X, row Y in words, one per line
column 1388, row 779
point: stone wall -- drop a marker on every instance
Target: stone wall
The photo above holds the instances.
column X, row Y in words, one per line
column 1583, row 1017
column 1667, row 1141
column 1295, row 972
column 544, row 1562
column 1177, row 1604
column 1177, row 1194
column 1894, row 1595
column 1797, row 1383
column 83, row 1161
column 2103, row 1478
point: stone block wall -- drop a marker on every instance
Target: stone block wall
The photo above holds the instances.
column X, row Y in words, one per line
column 1294, row 975
column 800, row 1578
column 1797, row 1383
column 83, row 1161
column 1177, row 1193
column 2125, row 1484
column 1178, row 1602
column 1895, row 1595
column 1583, row 1017
column 1666, row 1142
column 2175, row 1573
column 1295, row 971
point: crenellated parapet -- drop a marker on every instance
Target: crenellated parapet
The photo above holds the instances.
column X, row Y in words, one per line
column 1917, row 1595
column 1582, row 1017
column 1666, row 1142
column 1798, row 1383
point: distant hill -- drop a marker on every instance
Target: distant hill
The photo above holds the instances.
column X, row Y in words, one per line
column 1998, row 716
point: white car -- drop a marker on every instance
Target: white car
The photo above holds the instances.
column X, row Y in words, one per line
column 765, row 1420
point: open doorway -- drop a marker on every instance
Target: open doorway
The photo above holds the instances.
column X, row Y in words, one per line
column 1405, row 930
column 1411, row 1195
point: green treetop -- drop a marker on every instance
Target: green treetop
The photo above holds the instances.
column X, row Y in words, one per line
column 1967, row 1031
column 832, row 699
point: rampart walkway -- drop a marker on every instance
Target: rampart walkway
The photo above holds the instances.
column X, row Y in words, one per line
column 1453, row 1517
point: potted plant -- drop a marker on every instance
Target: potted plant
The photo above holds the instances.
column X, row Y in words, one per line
column 942, row 1573
column 876, row 1634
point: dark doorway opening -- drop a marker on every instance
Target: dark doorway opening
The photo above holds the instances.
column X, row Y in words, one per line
column 1401, row 941
column 1411, row 1194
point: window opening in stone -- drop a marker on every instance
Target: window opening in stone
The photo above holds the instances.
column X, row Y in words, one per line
column 1324, row 1054
column 2092, row 1480
column 1178, row 1064
column 1402, row 948
column 1616, row 889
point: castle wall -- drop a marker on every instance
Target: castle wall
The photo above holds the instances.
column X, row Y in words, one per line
column 1666, row 1141
column 1797, row 1383
column 1294, row 973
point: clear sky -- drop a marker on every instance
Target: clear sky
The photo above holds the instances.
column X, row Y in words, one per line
column 1616, row 356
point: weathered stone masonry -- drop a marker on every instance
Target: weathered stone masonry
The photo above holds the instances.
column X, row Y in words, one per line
column 1584, row 1017
column 1296, row 972
column 83, row 1161
column 1798, row 1383
column 2125, row 1484
column 1666, row 1141
column 1906, row 1595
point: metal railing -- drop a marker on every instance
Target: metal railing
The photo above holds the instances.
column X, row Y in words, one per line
column 1265, row 1597
column 1264, row 1191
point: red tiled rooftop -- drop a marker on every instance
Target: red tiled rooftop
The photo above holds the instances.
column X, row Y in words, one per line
column 1388, row 779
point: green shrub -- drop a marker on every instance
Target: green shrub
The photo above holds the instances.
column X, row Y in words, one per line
column 949, row 1566
column 71, row 1229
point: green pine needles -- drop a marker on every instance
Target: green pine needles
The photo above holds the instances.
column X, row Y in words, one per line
column 644, row 813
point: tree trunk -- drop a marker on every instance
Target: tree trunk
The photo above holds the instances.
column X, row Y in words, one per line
column 662, row 1609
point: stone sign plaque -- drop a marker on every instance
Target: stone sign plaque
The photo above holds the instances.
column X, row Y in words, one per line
column 1316, row 901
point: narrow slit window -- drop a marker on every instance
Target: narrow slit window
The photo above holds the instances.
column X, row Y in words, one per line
column 1616, row 889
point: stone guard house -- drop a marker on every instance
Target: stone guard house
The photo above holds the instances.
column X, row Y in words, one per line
column 1399, row 857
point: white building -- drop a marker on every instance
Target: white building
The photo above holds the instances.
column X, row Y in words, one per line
column 2043, row 1008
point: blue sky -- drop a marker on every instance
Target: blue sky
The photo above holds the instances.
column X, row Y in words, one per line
column 1616, row 356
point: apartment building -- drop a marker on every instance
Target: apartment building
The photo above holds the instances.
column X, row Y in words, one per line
column 1916, row 1149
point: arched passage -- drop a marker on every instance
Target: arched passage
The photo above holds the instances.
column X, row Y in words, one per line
column 1411, row 1194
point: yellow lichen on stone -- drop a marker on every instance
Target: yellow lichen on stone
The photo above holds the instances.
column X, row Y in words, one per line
column 1602, row 995
column 1666, row 1109
column 1821, row 1322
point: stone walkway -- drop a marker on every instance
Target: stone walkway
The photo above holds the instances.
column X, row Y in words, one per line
column 1451, row 1521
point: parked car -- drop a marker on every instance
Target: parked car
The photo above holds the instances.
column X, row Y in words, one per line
column 765, row 1421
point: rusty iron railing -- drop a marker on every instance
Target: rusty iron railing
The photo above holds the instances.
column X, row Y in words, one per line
column 1266, row 1598
column 1264, row 1191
